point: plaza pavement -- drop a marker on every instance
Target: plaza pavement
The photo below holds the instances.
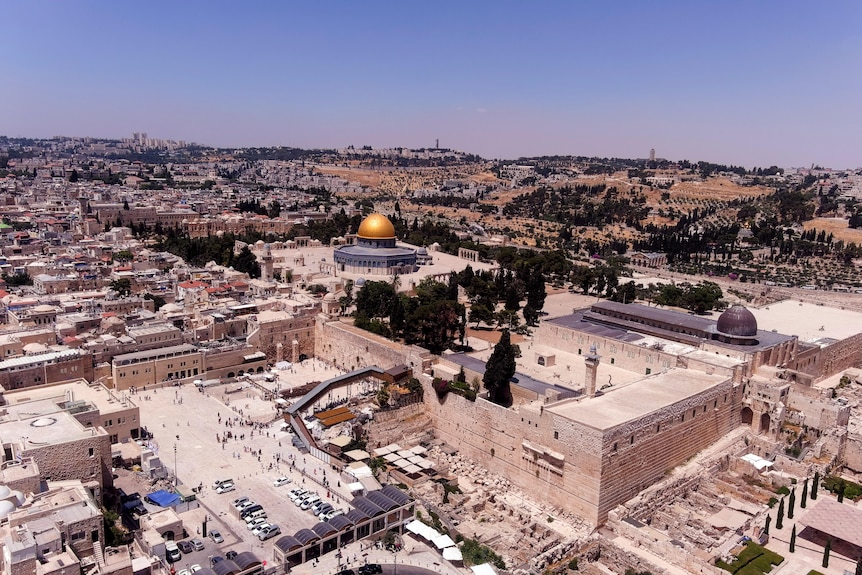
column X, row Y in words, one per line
column 185, row 423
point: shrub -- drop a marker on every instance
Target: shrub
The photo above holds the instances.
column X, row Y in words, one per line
column 441, row 387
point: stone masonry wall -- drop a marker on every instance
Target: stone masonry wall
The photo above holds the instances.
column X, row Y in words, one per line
column 72, row 460
column 351, row 348
column 575, row 465
column 841, row 355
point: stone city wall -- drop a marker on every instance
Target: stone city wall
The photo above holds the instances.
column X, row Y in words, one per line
column 351, row 348
column 841, row 355
column 819, row 414
column 639, row 453
column 574, row 464
column 853, row 452
column 495, row 437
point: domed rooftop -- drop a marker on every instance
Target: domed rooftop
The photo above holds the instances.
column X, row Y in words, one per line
column 376, row 227
column 737, row 321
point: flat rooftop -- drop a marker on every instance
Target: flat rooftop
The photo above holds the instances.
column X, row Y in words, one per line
column 41, row 422
column 618, row 405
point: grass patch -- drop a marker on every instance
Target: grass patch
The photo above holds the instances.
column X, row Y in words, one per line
column 852, row 490
column 753, row 560
column 813, row 572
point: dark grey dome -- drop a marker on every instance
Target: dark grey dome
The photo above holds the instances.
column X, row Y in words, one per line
column 737, row 321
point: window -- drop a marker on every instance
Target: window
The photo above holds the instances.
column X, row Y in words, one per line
column 91, row 451
column 556, row 434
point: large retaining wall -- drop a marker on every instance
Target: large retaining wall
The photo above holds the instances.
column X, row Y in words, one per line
column 841, row 355
column 352, row 348
column 579, row 468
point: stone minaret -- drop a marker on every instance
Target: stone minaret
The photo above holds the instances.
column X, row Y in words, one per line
column 267, row 263
column 592, row 361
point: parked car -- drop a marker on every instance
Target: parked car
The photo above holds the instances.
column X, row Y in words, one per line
column 321, row 514
column 215, row 559
column 249, row 510
column 239, row 501
column 184, row 572
column 269, row 532
column 256, row 522
column 296, row 493
column 262, row 527
column 225, row 488
column 231, row 555
column 216, row 536
column 244, row 504
column 279, row 481
column 184, row 546
column 332, row 514
column 346, row 572
column 197, row 544
column 219, row 482
column 370, row 569
column 310, row 502
column 195, row 568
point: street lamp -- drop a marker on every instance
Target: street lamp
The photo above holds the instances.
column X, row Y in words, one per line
column 176, row 478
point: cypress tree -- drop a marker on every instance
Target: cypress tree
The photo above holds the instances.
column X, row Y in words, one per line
column 814, row 485
column 766, row 526
column 793, row 539
column 499, row 370
column 805, row 495
column 841, row 487
column 791, row 503
column 826, row 552
column 779, row 521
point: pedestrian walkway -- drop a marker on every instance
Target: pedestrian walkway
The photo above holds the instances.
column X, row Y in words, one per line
column 359, row 553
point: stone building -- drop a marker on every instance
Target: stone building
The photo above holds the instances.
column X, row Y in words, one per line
column 54, row 533
column 293, row 331
column 142, row 368
column 63, row 444
column 45, row 368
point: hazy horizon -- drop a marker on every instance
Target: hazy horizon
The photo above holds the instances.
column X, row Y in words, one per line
column 737, row 83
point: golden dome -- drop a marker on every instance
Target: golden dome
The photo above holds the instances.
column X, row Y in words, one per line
column 376, row 227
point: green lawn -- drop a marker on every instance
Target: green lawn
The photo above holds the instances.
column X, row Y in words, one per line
column 754, row 560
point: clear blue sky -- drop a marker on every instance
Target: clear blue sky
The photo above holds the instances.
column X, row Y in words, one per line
column 750, row 83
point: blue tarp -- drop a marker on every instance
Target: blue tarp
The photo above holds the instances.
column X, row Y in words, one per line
column 164, row 498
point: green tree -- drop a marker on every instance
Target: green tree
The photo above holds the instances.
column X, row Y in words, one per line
column 126, row 204
column 158, row 301
column 840, row 490
column 499, row 371
column 804, row 500
column 814, row 484
column 122, row 286
column 767, row 524
column 793, row 539
column 382, row 397
column 482, row 311
column 826, row 551
column 779, row 520
column 73, row 177
column 124, row 255
column 246, row 262
column 791, row 503
column 375, row 299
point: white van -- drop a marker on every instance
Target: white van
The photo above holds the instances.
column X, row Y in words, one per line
column 172, row 552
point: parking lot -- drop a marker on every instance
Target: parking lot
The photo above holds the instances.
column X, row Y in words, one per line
column 231, row 432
